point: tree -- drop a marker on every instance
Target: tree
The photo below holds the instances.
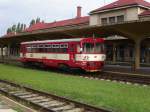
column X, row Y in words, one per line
column 18, row 28
column 38, row 20
column 14, row 28
column 21, row 28
column 8, row 30
column 24, row 26
column 32, row 22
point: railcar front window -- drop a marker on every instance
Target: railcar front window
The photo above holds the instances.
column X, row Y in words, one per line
column 93, row 48
column 88, row 47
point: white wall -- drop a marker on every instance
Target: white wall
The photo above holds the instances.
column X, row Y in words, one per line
column 130, row 14
column 94, row 19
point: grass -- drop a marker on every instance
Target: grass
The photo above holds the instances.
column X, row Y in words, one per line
column 114, row 96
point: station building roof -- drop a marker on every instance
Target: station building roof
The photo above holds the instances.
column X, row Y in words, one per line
column 74, row 21
column 122, row 4
column 56, row 24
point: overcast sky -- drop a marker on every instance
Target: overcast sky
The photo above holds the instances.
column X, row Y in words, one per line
column 14, row 11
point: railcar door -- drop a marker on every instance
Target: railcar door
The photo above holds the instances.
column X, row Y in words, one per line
column 72, row 50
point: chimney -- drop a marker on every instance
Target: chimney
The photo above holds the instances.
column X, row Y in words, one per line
column 79, row 11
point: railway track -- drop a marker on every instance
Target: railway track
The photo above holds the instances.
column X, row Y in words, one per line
column 125, row 78
column 44, row 102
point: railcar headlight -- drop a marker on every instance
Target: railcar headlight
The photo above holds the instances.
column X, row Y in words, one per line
column 84, row 63
column 103, row 57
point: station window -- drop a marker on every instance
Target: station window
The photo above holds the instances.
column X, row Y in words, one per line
column 120, row 18
column 104, row 21
column 112, row 20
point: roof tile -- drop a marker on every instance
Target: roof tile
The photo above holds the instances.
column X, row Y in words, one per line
column 121, row 3
column 68, row 22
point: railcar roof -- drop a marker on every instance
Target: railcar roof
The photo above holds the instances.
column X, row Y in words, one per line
column 60, row 40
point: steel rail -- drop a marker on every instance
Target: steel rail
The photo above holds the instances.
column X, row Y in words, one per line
column 43, row 101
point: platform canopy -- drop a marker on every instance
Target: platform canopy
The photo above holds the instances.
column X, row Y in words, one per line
column 132, row 30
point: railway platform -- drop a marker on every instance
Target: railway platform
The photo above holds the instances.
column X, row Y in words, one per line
column 9, row 105
column 127, row 69
column 5, row 108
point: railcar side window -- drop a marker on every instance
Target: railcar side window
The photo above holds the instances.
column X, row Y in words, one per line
column 41, row 48
column 65, row 45
column 47, row 48
column 57, row 46
column 61, row 45
column 34, row 48
column 29, row 49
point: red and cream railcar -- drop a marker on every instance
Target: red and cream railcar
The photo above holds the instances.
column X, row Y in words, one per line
column 85, row 53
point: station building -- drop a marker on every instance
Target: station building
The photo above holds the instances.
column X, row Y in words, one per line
column 119, row 49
